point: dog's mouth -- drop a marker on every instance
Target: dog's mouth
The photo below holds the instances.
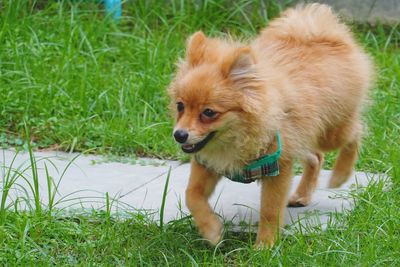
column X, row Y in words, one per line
column 198, row 146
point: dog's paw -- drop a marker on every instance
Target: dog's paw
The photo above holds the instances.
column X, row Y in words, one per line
column 265, row 238
column 336, row 181
column 211, row 230
column 299, row 201
column 263, row 244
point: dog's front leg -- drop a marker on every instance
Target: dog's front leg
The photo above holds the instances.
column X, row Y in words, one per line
column 201, row 185
column 274, row 193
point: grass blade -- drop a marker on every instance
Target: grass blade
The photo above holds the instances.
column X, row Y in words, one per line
column 164, row 198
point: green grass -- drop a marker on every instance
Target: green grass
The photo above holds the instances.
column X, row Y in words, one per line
column 368, row 236
column 81, row 81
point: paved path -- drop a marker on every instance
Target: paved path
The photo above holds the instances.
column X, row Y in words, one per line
column 140, row 187
column 387, row 11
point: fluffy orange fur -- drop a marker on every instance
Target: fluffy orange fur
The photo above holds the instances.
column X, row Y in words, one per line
column 305, row 76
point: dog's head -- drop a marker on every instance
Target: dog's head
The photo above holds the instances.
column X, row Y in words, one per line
column 215, row 89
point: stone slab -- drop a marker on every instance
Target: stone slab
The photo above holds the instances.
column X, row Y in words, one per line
column 87, row 179
column 140, row 187
column 240, row 203
column 386, row 11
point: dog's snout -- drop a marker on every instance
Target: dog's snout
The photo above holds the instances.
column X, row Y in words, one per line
column 181, row 136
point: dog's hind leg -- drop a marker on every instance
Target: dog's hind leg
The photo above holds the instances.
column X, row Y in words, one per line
column 312, row 166
column 344, row 164
column 349, row 143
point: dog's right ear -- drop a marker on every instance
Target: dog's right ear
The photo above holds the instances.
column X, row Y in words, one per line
column 196, row 46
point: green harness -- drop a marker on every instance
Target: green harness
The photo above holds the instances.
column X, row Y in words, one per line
column 266, row 165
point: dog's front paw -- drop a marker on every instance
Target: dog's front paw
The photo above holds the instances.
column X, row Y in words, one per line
column 266, row 236
column 263, row 244
column 299, row 201
column 211, row 229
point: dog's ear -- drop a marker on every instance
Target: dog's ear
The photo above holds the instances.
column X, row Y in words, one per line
column 196, row 46
column 240, row 69
column 239, row 65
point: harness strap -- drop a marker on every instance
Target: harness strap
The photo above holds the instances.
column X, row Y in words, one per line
column 266, row 165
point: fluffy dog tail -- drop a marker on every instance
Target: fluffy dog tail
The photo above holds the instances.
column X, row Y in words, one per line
column 313, row 23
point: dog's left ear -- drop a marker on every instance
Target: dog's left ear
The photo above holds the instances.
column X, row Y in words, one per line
column 239, row 65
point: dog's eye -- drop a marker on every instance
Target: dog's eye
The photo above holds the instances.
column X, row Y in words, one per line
column 209, row 113
column 180, row 107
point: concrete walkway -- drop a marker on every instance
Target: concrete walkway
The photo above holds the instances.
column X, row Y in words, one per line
column 374, row 11
column 138, row 187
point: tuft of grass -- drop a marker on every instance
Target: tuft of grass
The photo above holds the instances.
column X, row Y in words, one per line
column 35, row 177
column 9, row 178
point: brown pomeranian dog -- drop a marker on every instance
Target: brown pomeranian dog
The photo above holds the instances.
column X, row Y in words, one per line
column 300, row 86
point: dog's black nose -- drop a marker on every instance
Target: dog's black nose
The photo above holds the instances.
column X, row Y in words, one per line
column 181, row 136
